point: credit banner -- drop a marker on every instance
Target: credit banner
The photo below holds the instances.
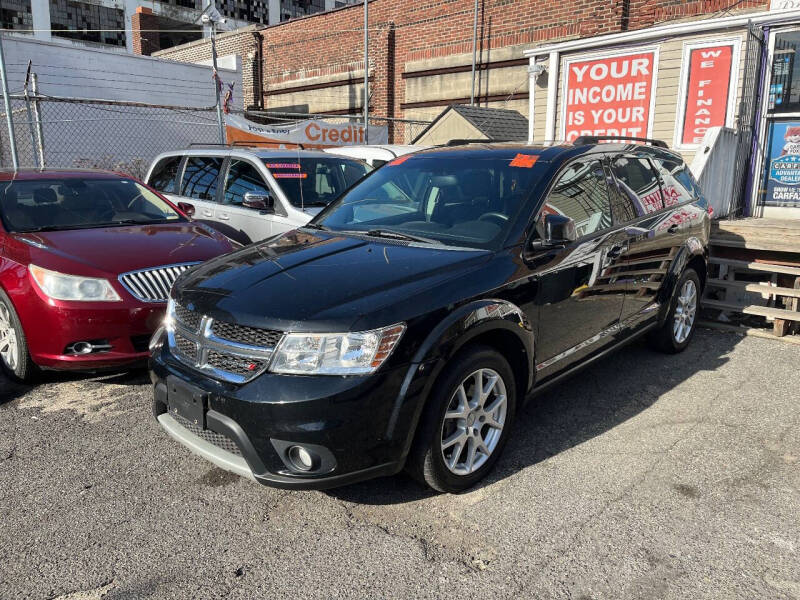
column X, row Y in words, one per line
column 309, row 134
column 609, row 96
column 783, row 166
column 707, row 91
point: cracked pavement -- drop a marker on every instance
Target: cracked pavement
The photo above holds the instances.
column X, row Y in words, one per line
column 646, row 476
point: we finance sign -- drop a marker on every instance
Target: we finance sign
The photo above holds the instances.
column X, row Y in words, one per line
column 609, row 95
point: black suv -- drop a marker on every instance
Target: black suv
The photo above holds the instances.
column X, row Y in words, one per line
column 406, row 324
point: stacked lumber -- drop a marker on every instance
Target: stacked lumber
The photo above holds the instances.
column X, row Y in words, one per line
column 756, row 256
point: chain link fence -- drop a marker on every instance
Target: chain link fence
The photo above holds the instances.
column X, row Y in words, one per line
column 126, row 136
column 119, row 136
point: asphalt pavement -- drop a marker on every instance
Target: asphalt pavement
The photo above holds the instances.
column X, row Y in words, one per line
column 646, row 476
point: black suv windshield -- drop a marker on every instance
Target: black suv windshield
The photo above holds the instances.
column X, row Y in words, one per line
column 459, row 201
column 315, row 181
column 79, row 203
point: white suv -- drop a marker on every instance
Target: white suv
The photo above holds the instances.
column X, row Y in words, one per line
column 250, row 193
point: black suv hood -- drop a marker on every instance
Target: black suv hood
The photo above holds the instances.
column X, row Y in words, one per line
column 319, row 281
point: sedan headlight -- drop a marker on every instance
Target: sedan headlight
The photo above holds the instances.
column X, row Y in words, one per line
column 59, row 286
column 359, row 353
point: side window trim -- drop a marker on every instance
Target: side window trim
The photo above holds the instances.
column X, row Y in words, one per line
column 531, row 226
column 179, row 176
column 656, row 172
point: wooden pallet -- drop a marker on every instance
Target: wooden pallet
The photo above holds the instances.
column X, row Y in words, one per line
column 783, row 318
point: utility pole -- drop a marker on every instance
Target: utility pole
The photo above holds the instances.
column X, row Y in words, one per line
column 217, row 80
column 12, row 142
column 31, row 128
column 474, row 51
column 212, row 17
column 37, row 115
column 366, row 71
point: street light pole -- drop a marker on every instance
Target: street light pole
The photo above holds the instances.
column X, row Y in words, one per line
column 7, row 102
column 217, row 80
column 366, row 71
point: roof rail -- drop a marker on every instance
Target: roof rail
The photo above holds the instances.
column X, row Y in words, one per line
column 202, row 144
column 594, row 139
column 462, row 142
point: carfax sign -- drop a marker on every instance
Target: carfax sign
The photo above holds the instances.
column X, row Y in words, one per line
column 783, row 166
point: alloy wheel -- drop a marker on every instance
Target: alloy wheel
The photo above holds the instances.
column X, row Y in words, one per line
column 685, row 311
column 9, row 348
column 474, row 420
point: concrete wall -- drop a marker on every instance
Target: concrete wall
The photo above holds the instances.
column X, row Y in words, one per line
column 82, row 72
column 109, row 136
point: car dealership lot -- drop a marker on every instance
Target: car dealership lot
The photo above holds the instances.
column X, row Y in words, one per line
column 644, row 477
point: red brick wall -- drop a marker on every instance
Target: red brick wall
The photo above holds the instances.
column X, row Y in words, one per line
column 143, row 26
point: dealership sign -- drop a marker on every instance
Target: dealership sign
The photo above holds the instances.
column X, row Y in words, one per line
column 707, row 90
column 309, row 134
column 610, row 95
column 783, row 165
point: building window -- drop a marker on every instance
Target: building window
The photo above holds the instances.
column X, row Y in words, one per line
column 16, row 14
column 255, row 11
column 87, row 22
column 784, row 89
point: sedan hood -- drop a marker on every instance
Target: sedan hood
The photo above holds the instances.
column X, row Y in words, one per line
column 303, row 281
column 118, row 250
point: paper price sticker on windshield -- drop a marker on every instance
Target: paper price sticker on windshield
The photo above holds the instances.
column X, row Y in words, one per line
column 526, row 161
column 290, row 175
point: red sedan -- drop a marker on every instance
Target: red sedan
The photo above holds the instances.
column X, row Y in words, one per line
column 87, row 259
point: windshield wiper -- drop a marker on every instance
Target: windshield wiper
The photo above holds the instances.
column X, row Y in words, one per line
column 316, row 226
column 396, row 235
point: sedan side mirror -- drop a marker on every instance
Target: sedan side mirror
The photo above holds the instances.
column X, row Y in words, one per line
column 259, row 201
column 188, row 209
column 555, row 230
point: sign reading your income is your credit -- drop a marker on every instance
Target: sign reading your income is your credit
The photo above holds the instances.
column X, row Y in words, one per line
column 611, row 95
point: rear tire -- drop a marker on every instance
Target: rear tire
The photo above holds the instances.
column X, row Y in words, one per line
column 15, row 359
column 679, row 327
column 466, row 422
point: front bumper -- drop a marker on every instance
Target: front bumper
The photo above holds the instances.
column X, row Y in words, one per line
column 360, row 426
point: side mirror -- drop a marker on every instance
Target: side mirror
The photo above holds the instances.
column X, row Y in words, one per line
column 555, row 230
column 186, row 208
column 259, row 201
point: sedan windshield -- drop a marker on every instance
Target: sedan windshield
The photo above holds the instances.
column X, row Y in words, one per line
column 315, row 181
column 79, row 203
column 455, row 201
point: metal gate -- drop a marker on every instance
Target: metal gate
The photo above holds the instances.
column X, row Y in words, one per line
column 746, row 120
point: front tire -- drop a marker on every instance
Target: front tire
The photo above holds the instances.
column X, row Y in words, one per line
column 466, row 422
column 678, row 329
column 14, row 356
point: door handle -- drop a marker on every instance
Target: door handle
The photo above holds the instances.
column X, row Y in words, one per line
column 208, row 213
column 673, row 228
column 223, row 217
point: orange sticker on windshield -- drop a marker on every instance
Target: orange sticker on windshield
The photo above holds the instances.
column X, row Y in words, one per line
column 526, row 161
column 400, row 160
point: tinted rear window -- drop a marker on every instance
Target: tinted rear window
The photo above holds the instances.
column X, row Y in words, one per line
column 163, row 175
column 200, row 177
column 315, row 181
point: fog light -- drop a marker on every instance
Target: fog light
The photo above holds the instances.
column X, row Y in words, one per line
column 301, row 458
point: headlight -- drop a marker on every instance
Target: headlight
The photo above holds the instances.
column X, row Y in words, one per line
column 357, row 353
column 59, row 286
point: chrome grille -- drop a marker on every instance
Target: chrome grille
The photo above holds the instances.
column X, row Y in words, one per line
column 212, row 437
column 187, row 317
column 238, row 365
column 225, row 351
column 153, row 285
column 187, row 348
column 249, row 336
